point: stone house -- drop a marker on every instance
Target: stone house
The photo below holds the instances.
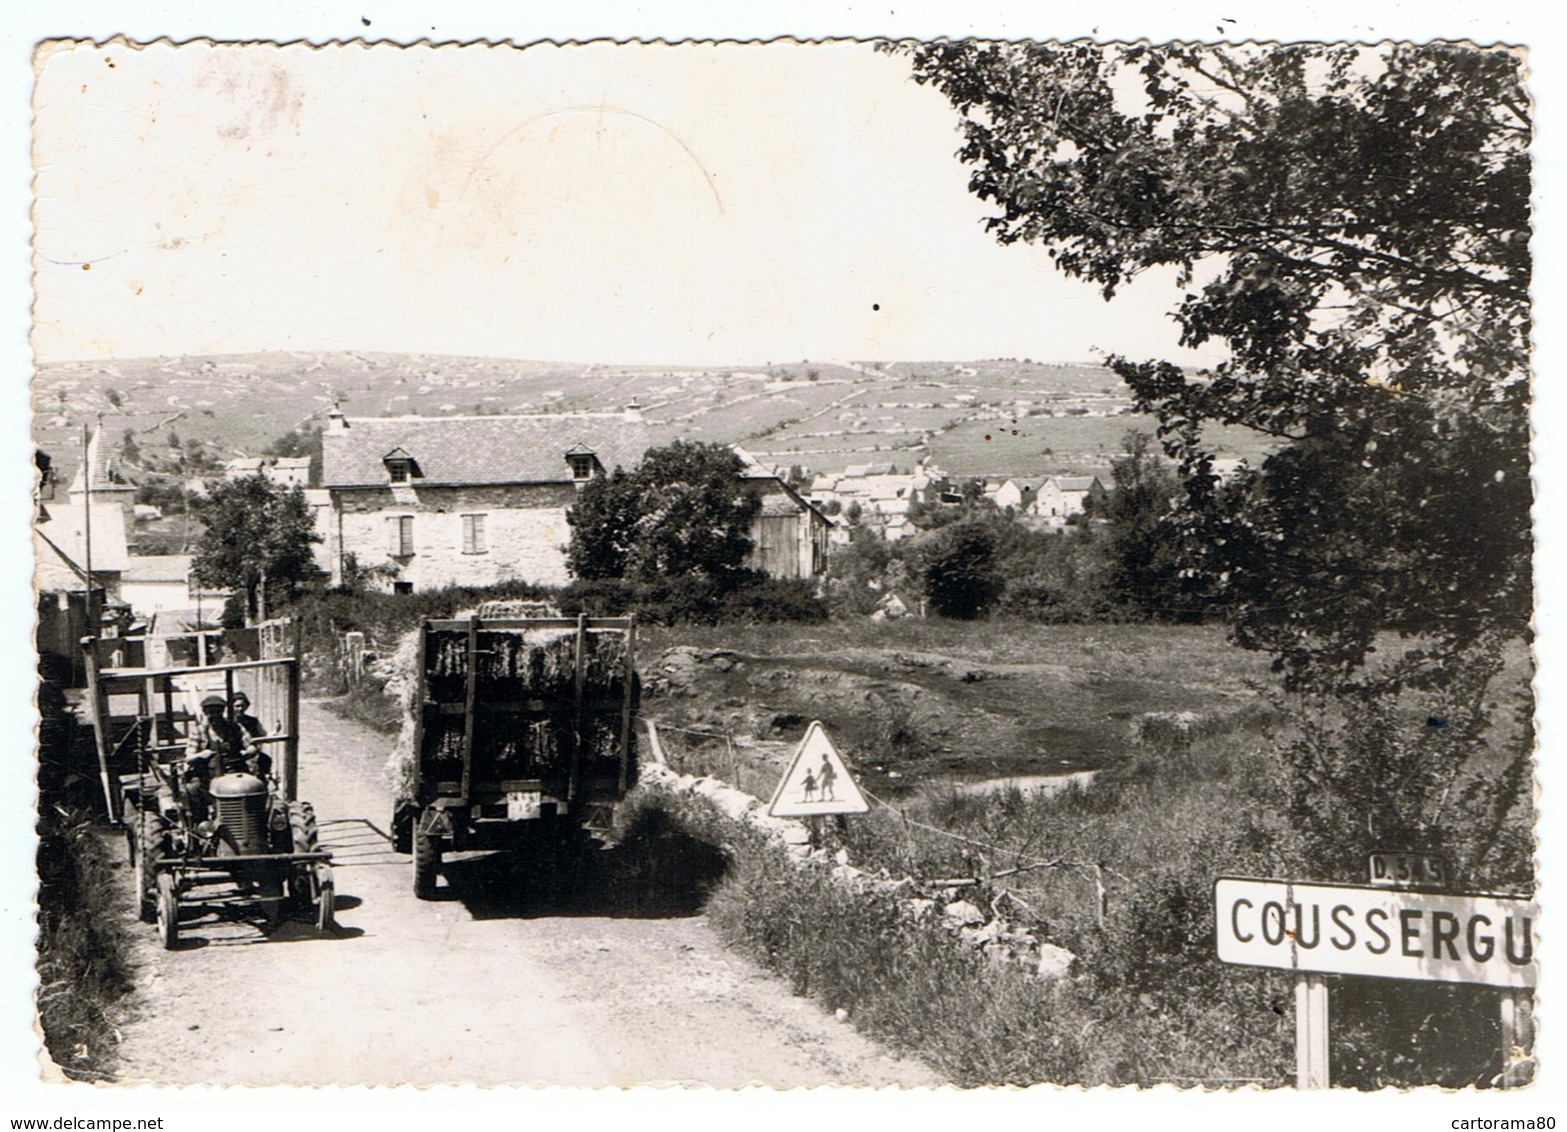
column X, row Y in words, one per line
column 442, row 501
column 158, row 583
column 439, row 501
column 1010, row 493
column 1062, row 497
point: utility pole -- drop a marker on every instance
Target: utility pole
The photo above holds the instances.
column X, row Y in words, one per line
column 92, row 621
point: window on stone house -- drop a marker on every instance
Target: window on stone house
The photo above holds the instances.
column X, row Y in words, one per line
column 473, row 540
column 402, row 534
column 581, row 467
column 398, row 470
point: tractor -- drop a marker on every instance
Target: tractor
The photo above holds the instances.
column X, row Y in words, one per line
column 233, row 842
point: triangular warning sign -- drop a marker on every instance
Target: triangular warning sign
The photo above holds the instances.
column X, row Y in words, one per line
column 817, row 782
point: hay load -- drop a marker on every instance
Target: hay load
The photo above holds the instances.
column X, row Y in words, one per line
column 540, row 698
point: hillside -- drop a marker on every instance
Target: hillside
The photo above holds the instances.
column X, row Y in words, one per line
column 995, row 417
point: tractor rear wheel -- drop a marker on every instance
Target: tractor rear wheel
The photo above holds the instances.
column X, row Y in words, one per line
column 144, row 873
column 168, row 911
column 427, row 862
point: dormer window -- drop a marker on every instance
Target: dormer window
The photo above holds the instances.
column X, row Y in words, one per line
column 401, row 467
column 584, row 464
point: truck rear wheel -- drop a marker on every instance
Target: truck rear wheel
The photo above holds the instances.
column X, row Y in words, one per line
column 427, row 862
column 403, row 818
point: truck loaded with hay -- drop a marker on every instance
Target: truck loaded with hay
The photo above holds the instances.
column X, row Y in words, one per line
column 519, row 734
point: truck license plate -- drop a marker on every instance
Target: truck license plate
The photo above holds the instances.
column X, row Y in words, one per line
column 522, row 804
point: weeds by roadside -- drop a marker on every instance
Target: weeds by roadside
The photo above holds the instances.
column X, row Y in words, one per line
column 83, row 969
column 909, row 982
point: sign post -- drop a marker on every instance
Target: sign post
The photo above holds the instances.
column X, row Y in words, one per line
column 1311, row 1031
column 1516, row 1039
column 1385, row 932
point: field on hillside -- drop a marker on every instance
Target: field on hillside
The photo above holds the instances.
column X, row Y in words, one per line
column 825, row 415
column 1036, row 446
column 921, row 701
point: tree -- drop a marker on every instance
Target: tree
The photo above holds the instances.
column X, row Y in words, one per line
column 1353, row 223
column 1141, row 545
column 960, row 574
column 684, row 512
column 256, row 540
column 604, row 522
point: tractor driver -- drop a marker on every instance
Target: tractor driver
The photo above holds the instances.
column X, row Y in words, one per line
column 220, row 745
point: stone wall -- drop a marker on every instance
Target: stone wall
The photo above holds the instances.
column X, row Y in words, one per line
column 998, row 940
column 525, row 534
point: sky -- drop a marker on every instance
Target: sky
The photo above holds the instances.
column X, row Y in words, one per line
column 707, row 204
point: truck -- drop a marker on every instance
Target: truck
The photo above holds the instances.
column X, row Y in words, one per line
column 523, row 736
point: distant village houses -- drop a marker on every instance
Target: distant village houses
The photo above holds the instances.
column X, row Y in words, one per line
column 284, row 471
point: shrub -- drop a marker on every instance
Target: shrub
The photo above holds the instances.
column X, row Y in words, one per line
column 688, row 600
column 774, row 599
column 961, row 579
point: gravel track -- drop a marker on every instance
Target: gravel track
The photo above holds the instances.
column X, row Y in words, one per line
column 481, row 986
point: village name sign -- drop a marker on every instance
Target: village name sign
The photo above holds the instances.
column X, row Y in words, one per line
column 1384, row 932
column 1381, row 930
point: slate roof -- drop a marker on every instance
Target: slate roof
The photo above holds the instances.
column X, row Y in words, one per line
column 780, row 505
column 157, row 568
column 103, row 465
column 65, row 526
column 1076, row 483
column 482, row 450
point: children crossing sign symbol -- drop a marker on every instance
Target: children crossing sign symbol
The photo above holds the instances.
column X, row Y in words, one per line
column 817, row 781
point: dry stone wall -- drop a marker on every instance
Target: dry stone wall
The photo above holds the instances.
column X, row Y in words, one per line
column 969, row 925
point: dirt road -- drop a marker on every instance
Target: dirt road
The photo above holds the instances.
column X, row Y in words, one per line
column 482, row 986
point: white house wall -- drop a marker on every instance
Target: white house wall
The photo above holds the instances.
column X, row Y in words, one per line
column 525, row 534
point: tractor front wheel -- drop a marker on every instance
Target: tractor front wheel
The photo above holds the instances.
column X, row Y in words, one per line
column 303, row 839
column 326, row 897
column 168, row 911
column 144, row 873
column 427, row 862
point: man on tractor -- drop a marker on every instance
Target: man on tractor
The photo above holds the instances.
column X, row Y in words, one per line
column 249, row 724
column 221, row 746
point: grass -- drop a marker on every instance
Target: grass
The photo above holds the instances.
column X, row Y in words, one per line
column 83, row 964
column 368, row 703
column 236, row 404
column 1042, row 446
column 1138, row 1010
column 1120, row 874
